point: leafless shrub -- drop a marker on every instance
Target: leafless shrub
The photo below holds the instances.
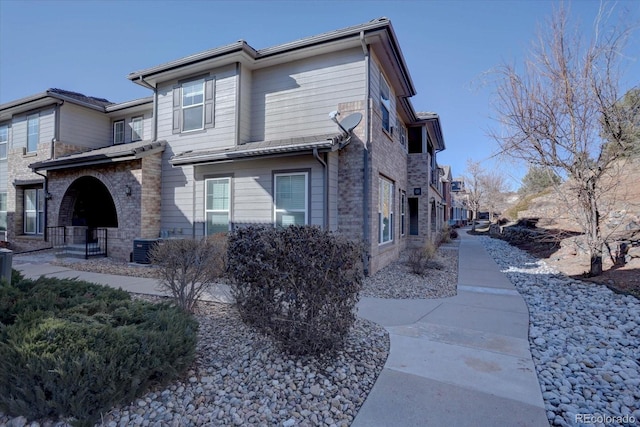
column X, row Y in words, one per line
column 188, row 267
column 421, row 258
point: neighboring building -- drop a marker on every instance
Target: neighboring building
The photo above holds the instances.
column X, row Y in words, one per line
column 446, row 179
column 460, row 213
column 235, row 136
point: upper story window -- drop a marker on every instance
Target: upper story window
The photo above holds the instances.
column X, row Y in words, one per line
column 4, row 140
column 385, row 104
column 33, row 132
column 402, row 131
column 193, row 108
column 136, row 129
column 193, row 105
column 118, row 132
column 291, row 199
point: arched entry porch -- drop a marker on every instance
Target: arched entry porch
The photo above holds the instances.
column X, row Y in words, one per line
column 86, row 211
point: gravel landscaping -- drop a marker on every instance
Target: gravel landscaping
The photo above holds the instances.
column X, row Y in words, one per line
column 241, row 378
column 397, row 280
column 584, row 339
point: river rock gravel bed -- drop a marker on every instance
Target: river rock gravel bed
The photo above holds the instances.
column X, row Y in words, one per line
column 397, row 281
column 240, row 378
column 584, row 339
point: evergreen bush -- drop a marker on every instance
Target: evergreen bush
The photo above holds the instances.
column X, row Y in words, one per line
column 298, row 284
column 74, row 349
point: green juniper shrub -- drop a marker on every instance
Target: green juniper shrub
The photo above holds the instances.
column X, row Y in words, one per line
column 298, row 284
column 73, row 349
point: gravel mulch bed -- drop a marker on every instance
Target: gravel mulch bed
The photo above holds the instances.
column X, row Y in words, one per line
column 398, row 281
column 240, row 377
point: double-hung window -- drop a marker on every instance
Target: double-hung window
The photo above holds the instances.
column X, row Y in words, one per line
column 136, row 129
column 385, row 210
column 218, row 204
column 4, row 140
column 385, row 104
column 33, row 132
column 291, row 199
column 3, row 211
column 33, row 211
column 118, row 132
column 193, row 105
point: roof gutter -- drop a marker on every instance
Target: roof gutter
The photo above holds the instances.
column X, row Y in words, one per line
column 142, row 82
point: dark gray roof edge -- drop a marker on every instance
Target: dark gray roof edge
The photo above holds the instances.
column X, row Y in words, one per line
column 376, row 24
column 241, row 152
column 49, row 93
column 338, row 34
column 98, row 155
column 240, row 45
column 128, row 104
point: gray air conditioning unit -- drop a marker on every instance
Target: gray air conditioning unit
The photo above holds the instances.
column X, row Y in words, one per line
column 142, row 249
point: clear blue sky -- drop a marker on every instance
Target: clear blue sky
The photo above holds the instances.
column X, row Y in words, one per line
column 449, row 46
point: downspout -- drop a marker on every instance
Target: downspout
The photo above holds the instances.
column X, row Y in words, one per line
column 325, row 184
column 366, row 177
column 46, row 202
column 142, row 82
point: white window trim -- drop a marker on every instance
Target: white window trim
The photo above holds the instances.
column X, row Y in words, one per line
column 116, row 132
column 137, row 121
column 403, row 216
column 38, row 200
column 191, row 106
column 227, row 211
column 306, row 197
column 36, row 118
column 5, row 142
column 3, row 210
column 390, row 195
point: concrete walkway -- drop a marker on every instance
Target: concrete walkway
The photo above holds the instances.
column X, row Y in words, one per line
column 459, row 361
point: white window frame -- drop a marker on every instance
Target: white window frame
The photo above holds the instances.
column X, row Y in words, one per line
column 277, row 210
column 3, row 212
column 4, row 141
column 208, row 210
column 184, row 106
column 137, row 128
column 385, row 104
column 403, row 203
column 33, row 132
column 385, row 194
column 35, row 212
column 118, row 132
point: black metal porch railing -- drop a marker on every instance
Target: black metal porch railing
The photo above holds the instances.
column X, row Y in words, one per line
column 78, row 241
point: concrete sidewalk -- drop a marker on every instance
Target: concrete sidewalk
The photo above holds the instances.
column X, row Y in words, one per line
column 459, row 361
column 33, row 266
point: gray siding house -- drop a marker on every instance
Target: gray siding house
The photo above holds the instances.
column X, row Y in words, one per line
column 234, row 136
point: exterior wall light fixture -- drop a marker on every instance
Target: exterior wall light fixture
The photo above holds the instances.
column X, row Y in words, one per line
column 127, row 190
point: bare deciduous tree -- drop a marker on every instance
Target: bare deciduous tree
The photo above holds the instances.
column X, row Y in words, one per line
column 494, row 185
column 474, row 189
column 562, row 111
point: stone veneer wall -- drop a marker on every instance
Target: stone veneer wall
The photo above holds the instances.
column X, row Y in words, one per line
column 138, row 214
column 18, row 169
column 418, row 177
column 388, row 159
